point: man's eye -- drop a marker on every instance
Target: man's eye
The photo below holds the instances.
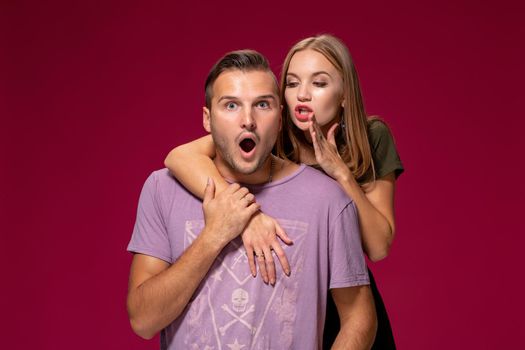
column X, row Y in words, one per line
column 231, row 106
column 263, row 104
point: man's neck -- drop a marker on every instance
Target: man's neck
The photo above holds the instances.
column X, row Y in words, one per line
column 280, row 169
column 261, row 176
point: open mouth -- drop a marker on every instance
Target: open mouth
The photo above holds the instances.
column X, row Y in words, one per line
column 247, row 145
column 302, row 112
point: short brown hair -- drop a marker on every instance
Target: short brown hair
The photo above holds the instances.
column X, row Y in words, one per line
column 244, row 60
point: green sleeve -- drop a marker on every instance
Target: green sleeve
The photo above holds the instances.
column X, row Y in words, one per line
column 384, row 153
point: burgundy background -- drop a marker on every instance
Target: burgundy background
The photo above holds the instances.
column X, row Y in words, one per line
column 93, row 95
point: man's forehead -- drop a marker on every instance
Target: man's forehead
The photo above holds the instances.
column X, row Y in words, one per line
column 245, row 84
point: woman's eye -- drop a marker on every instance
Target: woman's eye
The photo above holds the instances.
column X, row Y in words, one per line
column 320, row 83
column 291, row 84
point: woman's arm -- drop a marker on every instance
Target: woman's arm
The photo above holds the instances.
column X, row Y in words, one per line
column 374, row 202
column 375, row 209
column 192, row 165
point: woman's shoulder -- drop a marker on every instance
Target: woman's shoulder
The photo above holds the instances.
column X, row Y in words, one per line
column 384, row 151
column 378, row 131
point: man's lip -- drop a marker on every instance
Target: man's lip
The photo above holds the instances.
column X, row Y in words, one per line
column 243, row 136
column 247, row 135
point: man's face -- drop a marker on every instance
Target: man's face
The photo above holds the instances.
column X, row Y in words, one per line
column 244, row 120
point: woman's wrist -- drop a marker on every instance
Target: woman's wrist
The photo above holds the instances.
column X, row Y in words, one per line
column 344, row 175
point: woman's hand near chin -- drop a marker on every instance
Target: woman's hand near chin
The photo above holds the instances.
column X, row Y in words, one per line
column 326, row 153
column 260, row 239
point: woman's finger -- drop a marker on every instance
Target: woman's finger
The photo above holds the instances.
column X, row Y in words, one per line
column 315, row 142
column 259, row 255
column 270, row 264
column 283, row 260
column 331, row 134
column 251, row 259
column 318, row 131
column 282, row 234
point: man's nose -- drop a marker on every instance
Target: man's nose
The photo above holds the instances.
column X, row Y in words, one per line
column 248, row 120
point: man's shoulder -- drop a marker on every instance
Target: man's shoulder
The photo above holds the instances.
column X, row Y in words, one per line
column 162, row 175
column 163, row 182
column 322, row 186
column 168, row 193
column 318, row 177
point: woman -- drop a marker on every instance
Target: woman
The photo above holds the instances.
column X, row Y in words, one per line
column 324, row 125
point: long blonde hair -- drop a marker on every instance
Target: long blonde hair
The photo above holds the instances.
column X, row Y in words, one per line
column 352, row 139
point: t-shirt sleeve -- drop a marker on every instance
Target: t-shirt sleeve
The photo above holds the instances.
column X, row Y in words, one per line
column 347, row 262
column 150, row 236
column 384, row 152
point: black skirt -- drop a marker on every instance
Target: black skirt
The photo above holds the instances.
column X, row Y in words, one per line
column 384, row 337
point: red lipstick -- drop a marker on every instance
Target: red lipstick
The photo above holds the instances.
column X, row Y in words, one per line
column 302, row 113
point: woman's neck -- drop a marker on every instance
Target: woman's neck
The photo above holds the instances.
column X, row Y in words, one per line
column 306, row 151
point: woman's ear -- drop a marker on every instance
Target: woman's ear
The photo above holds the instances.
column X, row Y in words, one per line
column 206, row 119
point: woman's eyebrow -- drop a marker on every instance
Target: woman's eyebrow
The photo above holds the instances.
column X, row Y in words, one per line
column 313, row 74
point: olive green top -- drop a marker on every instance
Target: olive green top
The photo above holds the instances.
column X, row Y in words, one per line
column 384, row 153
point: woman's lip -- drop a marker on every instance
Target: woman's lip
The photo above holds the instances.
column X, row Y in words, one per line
column 304, row 107
column 302, row 117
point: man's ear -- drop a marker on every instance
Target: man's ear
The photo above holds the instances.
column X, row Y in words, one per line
column 206, row 119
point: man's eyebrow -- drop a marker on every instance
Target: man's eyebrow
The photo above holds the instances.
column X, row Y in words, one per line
column 226, row 97
column 265, row 97
column 234, row 98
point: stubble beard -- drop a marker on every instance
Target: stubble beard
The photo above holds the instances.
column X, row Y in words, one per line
column 226, row 155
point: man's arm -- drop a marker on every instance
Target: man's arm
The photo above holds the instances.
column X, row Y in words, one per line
column 355, row 306
column 158, row 293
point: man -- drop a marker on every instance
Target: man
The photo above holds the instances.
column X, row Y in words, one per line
column 189, row 277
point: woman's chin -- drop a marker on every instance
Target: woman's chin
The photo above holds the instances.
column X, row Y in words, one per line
column 303, row 126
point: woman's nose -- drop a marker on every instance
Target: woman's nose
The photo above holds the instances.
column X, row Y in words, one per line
column 303, row 93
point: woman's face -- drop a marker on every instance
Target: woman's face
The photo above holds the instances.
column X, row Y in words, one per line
column 313, row 87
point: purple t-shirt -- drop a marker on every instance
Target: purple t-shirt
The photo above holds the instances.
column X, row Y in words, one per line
column 233, row 310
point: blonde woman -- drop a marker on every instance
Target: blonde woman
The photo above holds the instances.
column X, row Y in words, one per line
column 325, row 126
